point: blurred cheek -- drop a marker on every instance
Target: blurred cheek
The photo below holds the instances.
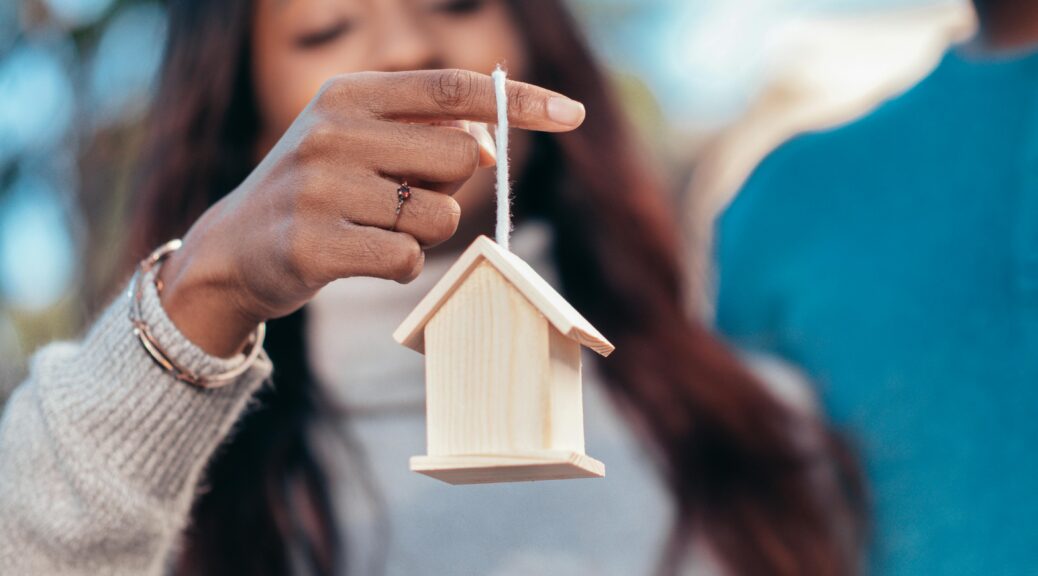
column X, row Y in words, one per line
column 286, row 78
column 482, row 42
column 284, row 84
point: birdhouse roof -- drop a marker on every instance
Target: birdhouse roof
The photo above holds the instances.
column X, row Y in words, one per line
column 562, row 316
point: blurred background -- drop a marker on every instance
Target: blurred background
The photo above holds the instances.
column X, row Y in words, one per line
column 713, row 85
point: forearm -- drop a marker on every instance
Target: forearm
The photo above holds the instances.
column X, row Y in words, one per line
column 101, row 451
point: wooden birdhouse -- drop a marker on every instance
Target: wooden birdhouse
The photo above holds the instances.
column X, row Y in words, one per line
column 503, row 390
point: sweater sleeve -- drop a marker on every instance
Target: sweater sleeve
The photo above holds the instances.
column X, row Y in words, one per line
column 101, row 450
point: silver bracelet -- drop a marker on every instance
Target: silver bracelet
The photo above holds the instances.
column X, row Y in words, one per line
column 140, row 329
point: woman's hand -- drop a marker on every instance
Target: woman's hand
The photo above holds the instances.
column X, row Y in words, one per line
column 322, row 204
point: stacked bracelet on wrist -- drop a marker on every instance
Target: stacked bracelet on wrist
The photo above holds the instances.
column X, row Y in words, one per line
column 140, row 329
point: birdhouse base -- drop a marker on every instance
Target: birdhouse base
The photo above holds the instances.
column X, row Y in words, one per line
column 510, row 467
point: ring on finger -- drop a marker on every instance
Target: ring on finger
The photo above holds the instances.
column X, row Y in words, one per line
column 403, row 194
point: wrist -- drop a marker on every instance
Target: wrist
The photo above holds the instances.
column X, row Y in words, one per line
column 204, row 303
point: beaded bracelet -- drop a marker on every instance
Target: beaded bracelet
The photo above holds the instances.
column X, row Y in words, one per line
column 140, row 329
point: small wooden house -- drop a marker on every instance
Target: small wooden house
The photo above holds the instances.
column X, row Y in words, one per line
column 503, row 390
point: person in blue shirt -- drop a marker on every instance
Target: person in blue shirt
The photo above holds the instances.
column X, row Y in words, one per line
column 895, row 260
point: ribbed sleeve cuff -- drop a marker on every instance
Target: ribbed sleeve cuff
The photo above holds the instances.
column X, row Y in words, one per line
column 105, row 398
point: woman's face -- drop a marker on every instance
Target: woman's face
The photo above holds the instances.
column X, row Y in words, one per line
column 298, row 44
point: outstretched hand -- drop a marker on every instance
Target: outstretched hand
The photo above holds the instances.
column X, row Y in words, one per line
column 323, row 204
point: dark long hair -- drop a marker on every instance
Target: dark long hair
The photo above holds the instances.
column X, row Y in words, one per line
column 767, row 489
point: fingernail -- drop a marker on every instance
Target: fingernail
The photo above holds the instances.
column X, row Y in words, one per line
column 482, row 134
column 565, row 111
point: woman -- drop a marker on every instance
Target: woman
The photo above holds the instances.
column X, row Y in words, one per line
column 280, row 191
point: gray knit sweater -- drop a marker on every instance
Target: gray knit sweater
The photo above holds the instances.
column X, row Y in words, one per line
column 101, row 451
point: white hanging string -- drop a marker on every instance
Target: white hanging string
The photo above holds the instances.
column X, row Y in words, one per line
column 504, row 217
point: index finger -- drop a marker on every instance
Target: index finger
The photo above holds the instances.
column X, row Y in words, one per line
column 426, row 95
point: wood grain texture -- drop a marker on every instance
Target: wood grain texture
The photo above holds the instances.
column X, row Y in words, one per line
column 566, row 408
column 487, row 371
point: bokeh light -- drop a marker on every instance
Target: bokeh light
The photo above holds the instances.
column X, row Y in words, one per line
column 8, row 24
column 78, row 13
column 706, row 60
column 36, row 248
column 123, row 69
column 36, row 100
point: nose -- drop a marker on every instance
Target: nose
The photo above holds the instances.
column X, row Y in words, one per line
column 402, row 43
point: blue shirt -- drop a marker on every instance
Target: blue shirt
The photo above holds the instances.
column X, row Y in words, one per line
column 896, row 260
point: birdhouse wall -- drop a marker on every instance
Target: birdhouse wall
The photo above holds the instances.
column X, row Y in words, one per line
column 489, row 371
column 567, row 404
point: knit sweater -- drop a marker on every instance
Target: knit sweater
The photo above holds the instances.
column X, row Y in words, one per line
column 101, row 450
